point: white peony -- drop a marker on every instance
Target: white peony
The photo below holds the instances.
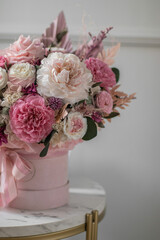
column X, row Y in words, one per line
column 75, row 125
column 3, row 78
column 64, row 76
column 22, row 74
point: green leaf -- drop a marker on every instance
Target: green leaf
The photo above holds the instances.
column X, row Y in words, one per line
column 48, row 138
column 89, row 100
column 101, row 125
column 96, row 84
column 91, row 130
column 5, row 110
column 44, row 152
column 61, row 35
column 117, row 73
column 112, row 115
column 82, row 101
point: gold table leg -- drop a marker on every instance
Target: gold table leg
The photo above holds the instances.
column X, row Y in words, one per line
column 92, row 225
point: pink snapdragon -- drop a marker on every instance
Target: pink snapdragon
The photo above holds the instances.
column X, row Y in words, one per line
column 30, row 119
column 101, row 72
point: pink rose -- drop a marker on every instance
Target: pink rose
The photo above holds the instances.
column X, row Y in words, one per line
column 30, row 119
column 75, row 125
column 101, row 72
column 104, row 101
column 24, row 50
column 3, row 60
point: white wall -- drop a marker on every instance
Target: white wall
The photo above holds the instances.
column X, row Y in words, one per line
column 125, row 157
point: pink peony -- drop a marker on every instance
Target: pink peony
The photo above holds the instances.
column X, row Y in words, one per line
column 24, row 50
column 30, row 119
column 101, row 72
column 64, row 76
column 3, row 61
column 104, row 101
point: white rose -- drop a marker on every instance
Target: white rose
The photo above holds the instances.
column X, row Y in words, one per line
column 64, row 76
column 3, row 78
column 22, row 74
column 10, row 98
column 75, row 125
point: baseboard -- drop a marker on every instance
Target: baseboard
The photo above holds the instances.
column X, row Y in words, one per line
column 126, row 41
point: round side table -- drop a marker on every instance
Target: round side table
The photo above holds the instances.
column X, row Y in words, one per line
column 85, row 209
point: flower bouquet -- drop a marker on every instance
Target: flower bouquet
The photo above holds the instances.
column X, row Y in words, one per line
column 51, row 98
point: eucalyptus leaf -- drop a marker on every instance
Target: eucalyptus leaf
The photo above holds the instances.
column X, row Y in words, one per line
column 117, row 74
column 112, row 115
column 46, row 143
column 91, row 130
column 48, row 138
column 96, row 84
column 44, row 152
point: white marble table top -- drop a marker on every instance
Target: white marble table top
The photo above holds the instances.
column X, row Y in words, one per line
column 85, row 196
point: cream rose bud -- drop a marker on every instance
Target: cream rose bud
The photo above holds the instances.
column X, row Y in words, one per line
column 3, row 78
column 75, row 125
column 22, row 74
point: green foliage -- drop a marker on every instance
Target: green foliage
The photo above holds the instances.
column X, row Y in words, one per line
column 61, row 35
column 96, row 84
column 117, row 74
column 44, row 152
column 112, row 115
column 91, row 130
column 101, row 125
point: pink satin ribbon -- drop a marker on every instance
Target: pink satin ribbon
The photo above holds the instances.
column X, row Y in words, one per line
column 12, row 169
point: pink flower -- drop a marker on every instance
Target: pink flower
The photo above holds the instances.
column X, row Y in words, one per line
column 55, row 103
column 30, row 90
column 64, row 76
column 30, row 119
column 96, row 116
column 75, row 125
column 101, row 72
column 24, row 50
column 3, row 136
column 3, row 60
column 104, row 101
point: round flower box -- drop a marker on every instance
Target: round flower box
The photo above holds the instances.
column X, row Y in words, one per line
column 46, row 186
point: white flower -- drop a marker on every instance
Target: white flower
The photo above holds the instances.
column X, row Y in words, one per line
column 3, row 78
column 22, row 74
column 59, row 137
column 75, row 125
column 10, row 98
column 64, row 76
column 4, row 119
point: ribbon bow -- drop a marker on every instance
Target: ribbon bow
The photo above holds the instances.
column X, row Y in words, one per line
column 12, row 169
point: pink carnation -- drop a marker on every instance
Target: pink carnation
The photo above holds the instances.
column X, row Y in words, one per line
column 3, row 60
column 24, row 50
column 101, row 72
column 30, row 119
column 104, row 101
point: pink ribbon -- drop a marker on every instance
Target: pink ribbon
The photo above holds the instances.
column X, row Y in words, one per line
column 12, row 169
